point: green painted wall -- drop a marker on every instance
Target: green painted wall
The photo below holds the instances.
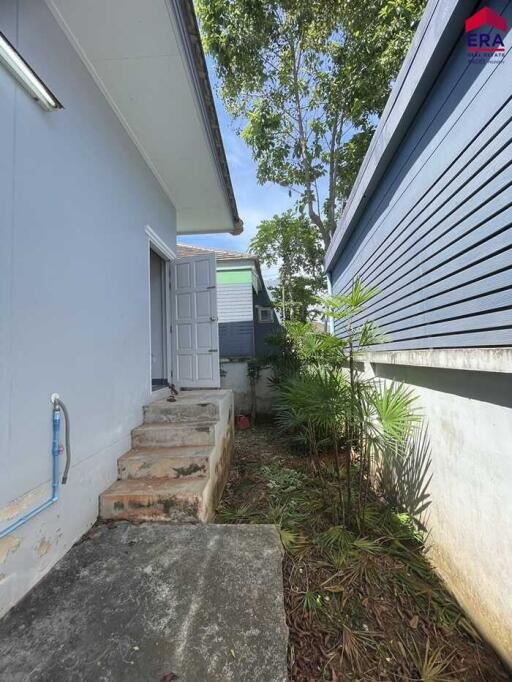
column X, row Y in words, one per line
column 234, row 276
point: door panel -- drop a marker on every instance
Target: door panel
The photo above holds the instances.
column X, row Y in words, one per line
column 194, row 322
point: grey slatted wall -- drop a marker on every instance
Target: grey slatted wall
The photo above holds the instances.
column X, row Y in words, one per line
column 236, row 339
column 236, row 323
column 436, row 237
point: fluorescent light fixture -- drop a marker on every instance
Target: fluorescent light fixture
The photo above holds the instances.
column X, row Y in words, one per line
column 22, row 72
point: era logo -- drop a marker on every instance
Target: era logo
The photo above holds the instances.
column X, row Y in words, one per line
column 481, row 41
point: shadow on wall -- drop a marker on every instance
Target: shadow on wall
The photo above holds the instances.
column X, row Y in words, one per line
column 489, row 387
column 405, row 474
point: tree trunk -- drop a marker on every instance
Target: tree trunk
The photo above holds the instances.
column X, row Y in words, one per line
column 308, row 176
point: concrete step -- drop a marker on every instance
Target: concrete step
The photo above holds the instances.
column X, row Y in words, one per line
column 155, row 499
column 184, row 410
column 172, row 435
column 178, row 462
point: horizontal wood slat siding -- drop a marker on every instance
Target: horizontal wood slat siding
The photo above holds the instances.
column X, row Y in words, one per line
column 234, row 302
column 236, row 339
column 436, row 236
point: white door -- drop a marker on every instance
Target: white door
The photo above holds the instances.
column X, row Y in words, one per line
column 194, row 326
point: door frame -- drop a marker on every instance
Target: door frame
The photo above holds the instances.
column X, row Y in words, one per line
column 157, row 244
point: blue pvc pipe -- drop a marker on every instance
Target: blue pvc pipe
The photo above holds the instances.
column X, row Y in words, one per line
column 55, row 478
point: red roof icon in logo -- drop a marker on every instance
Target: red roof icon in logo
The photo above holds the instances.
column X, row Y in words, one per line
column 486, row 17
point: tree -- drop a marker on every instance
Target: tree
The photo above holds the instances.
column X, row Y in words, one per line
column 287, row 240
column 308, row 79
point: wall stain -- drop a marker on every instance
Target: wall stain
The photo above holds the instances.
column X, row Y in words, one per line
column 8, row 545
column 188, row 471
column 43, row 547
column 20, row 505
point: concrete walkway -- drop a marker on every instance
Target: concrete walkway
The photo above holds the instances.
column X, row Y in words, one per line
column 192, row 603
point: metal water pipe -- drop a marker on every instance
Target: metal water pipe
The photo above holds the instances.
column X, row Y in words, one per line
column 56, row 450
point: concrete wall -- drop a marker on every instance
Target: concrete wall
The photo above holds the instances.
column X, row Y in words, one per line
column 234, row 376
column 469, row 419
column 75, row 197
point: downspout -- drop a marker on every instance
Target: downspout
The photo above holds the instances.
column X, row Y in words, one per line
column 56, row 449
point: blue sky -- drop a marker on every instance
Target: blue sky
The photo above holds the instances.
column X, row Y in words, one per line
column 255, row 202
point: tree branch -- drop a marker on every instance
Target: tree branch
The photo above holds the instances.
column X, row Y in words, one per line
column 313, row 215
column 332, row 176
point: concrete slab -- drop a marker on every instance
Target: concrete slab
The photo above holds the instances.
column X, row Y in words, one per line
column 190, row 603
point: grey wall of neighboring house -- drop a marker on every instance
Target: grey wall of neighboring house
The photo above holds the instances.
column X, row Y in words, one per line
column 75, row 197
column 234, row 302
column 235, row 312
column 241, row 334
column 236, row 339
column 436, row 235
column 432, row 230
column 263, row 329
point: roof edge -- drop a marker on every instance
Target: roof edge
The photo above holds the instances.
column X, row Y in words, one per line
column 439, row 29
column 221, row 254
column 191, row 39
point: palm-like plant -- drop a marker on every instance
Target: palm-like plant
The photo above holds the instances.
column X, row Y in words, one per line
column 327, row 396
column 386, row 417
column 315, row 403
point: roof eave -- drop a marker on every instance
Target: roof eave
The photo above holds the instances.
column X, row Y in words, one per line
column 193, row 49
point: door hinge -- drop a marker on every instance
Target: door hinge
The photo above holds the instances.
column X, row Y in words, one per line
column 170, row 328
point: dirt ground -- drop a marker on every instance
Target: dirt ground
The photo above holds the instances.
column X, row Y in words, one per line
column 365, row 606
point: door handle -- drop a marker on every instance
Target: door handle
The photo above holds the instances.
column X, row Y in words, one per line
column 212, row 350
column 213, row 319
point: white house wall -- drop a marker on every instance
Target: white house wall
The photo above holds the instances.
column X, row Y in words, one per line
column 75, row 197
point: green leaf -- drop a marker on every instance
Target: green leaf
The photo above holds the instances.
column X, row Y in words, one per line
column 306, row 81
